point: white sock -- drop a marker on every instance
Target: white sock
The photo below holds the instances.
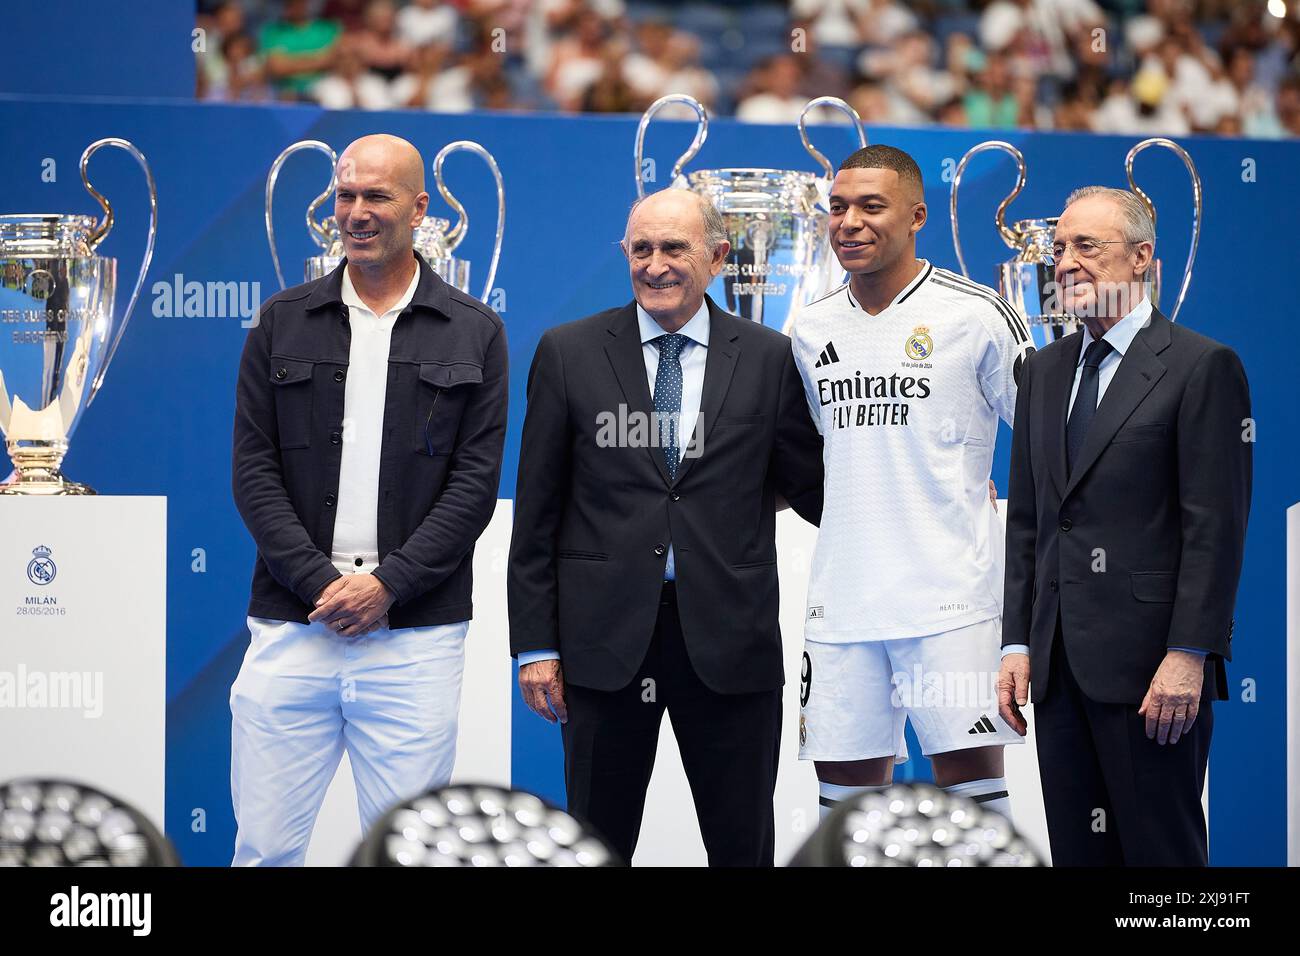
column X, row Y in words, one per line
column 830, row 795
column 990, row 793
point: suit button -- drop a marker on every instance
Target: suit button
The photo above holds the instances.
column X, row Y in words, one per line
column 339, row 375
column 329, row 501
column 335, row 438
column 675, row 496
column 358, row 562
column 1066, row 525
column 660, row 550
column 1053, row 585
column 281, row 373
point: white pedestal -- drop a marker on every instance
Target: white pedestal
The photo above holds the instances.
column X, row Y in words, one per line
column 483, row 738
column 83, row 681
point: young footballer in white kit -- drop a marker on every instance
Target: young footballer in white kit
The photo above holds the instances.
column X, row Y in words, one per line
column 907, row 369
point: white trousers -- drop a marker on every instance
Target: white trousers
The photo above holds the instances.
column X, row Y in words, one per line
column 304, row 694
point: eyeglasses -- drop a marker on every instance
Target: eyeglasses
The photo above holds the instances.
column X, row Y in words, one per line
column 1083, row 248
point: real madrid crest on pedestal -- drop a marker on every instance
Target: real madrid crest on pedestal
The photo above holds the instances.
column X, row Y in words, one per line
column 41, row 569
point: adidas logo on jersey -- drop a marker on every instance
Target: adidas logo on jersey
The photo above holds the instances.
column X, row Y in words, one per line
column 828, row 356
column 983, row 726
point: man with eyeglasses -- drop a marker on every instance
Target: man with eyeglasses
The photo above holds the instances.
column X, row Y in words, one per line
column 1129, row 493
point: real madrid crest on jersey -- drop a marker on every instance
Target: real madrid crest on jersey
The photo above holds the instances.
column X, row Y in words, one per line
column 41, row 570
column 919, row 345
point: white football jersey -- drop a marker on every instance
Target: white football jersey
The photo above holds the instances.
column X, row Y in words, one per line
column 908, row 403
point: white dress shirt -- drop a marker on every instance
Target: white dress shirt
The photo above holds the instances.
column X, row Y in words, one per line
column 356, row 517
column 693, row 357
column 1120, row 336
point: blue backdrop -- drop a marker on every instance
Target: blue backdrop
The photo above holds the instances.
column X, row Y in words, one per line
column 141, row 48
column 162, row 424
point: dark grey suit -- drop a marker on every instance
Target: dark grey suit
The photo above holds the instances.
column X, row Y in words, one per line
column 591, row 534
column 1135, row 550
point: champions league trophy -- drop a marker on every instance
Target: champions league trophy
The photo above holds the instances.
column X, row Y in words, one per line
column 777, row 220
column 435, row 239
column 1028, row 281
column 57, row 329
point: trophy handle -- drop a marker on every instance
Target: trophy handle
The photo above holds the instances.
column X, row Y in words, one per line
column 102, row 230
column 457, row 232
column 315, row 229
column 701, row 134
column 1009, row 235
column 1181, row 153
column 843, row 107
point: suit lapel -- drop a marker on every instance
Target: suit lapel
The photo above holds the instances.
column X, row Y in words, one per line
column 719, row 364
column 1138, row 372
column 625, row 355
column 1061, row 381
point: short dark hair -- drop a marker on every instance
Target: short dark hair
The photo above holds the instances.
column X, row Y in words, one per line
column 887, row 157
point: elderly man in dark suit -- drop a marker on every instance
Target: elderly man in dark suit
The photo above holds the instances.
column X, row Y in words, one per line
column 1129, row 493
column 658, row 439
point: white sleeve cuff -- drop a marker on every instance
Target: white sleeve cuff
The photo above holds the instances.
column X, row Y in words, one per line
column 1015, row 649
column 532, row 657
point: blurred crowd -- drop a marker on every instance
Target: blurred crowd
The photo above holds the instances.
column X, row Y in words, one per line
column 1167, row 67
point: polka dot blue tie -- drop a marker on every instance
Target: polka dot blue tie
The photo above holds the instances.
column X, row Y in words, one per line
column 668, row 396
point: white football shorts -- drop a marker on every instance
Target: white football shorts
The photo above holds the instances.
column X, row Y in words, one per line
column 855, row 698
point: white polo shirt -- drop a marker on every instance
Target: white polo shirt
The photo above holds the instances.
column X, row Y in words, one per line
column 356, row 519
